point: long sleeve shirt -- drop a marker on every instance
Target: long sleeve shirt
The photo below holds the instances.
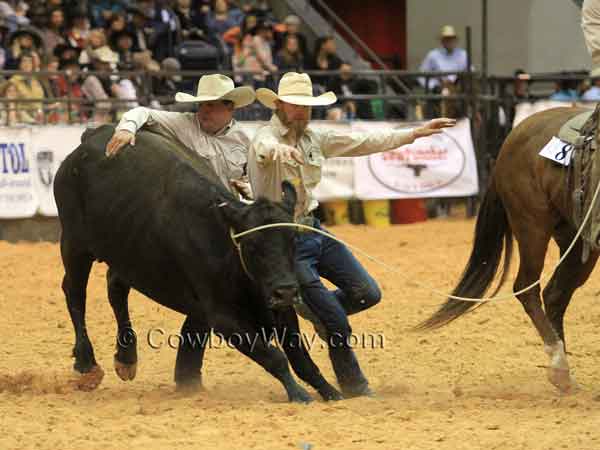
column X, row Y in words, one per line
column 267, row 175
column 590, row 24
column 439, row 60
column 227, row 150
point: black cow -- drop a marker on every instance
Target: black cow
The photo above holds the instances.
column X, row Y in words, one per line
column 158, row 216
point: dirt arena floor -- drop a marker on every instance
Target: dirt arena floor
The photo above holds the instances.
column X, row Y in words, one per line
column 477, row 384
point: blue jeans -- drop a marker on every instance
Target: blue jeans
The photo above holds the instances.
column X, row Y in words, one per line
column 319, row 256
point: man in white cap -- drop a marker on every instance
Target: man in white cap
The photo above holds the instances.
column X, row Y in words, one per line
column 289, row 149
column 447, row 58
column 211, row 132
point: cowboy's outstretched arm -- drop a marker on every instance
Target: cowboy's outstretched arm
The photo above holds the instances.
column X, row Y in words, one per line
column 268, row 150
column 590, row 24
column 176, row 124
column 359, row 144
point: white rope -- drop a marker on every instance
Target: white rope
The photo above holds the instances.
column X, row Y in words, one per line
column 420, row 285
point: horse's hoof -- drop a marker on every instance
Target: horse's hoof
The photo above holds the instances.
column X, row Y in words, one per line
column 89, row 381
column 126, row 372
column 189, row 388
column 561, row 379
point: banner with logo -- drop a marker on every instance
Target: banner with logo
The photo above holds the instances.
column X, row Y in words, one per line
column 442, row 165
column 51, row 145
column 17, row 194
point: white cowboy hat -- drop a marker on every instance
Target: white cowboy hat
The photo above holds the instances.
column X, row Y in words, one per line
column 105, row 54
column 294, row 88
column 218, row 87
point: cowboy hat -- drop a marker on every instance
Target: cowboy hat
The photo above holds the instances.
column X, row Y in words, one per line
column 218, row 87
column 294, row 88
column 104, row 54
column 447, row 31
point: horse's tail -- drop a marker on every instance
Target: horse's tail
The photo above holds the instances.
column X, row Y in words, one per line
column 492, row 235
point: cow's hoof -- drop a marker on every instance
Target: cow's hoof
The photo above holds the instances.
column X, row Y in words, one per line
column 561, row 379
column 126, row 372
column 331, row 394
column 90, row 380
column 300, row 396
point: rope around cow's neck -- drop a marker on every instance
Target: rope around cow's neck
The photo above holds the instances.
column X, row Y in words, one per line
column 420, row 285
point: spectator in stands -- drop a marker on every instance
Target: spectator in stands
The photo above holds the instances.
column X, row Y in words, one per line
column 190, row 29
column 222, row 18
column 12, row 113
column 54, row 32
column 325, row 58
column 3, row 34
column 116, row 24
column 290, row 58
column 233, row 36
column 122, row 43
column 69, row 86
column 97, row 88
column 165, row 86
column 29, row 87
column 15, row 14
column 254, row 53
column 347, row 85
column 292, row 28
column 96, row 39
column 200, row 11
column 79, row 29
column 24, row 40
column 593, row 93
column 259, row 8
column 102, row 11
column 565, row 91
column 447, row 58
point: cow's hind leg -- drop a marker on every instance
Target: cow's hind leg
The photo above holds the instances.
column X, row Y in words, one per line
column 292, row 343
column 77, row 263
column 195, row 334
column 249, row 342
column 125, row 360
column 570, row 275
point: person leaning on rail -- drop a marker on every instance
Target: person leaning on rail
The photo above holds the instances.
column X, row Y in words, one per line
column 288, row 148
column 212, row 131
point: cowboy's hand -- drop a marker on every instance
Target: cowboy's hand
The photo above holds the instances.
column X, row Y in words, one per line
column 287, row 153
column 120, row 139
column 434, row 126
column 243, row 187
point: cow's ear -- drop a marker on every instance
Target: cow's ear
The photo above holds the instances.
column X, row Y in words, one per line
column 232, row 213
column 289, row 196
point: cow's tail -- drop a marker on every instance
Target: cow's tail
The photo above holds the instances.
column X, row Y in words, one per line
column 493, row 235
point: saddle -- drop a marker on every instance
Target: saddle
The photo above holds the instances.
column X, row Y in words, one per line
column 584, row 174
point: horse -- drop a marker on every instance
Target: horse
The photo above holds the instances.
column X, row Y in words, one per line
column 527, row 199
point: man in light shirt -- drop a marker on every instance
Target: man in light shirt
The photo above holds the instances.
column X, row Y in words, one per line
column 211, row 132
column 447, row 58
column 289, row 149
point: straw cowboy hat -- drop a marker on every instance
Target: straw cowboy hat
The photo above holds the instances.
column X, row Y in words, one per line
column 447, row 31
column 294, row 88
column 218, row 87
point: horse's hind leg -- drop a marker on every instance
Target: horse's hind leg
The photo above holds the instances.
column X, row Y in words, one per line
column 533, row 243
column 126, row 355
column 78, row 262
column 570, row 275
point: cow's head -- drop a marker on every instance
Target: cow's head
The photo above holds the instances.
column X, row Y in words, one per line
column 268, row 255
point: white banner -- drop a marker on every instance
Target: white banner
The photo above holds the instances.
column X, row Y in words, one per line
column 438, row 166
column 17, row 195
column 441, row 165
column 51, row 145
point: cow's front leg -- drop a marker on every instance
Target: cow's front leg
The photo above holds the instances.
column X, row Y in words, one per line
column 195, row 334
column 288, row 332
column 273, row 360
